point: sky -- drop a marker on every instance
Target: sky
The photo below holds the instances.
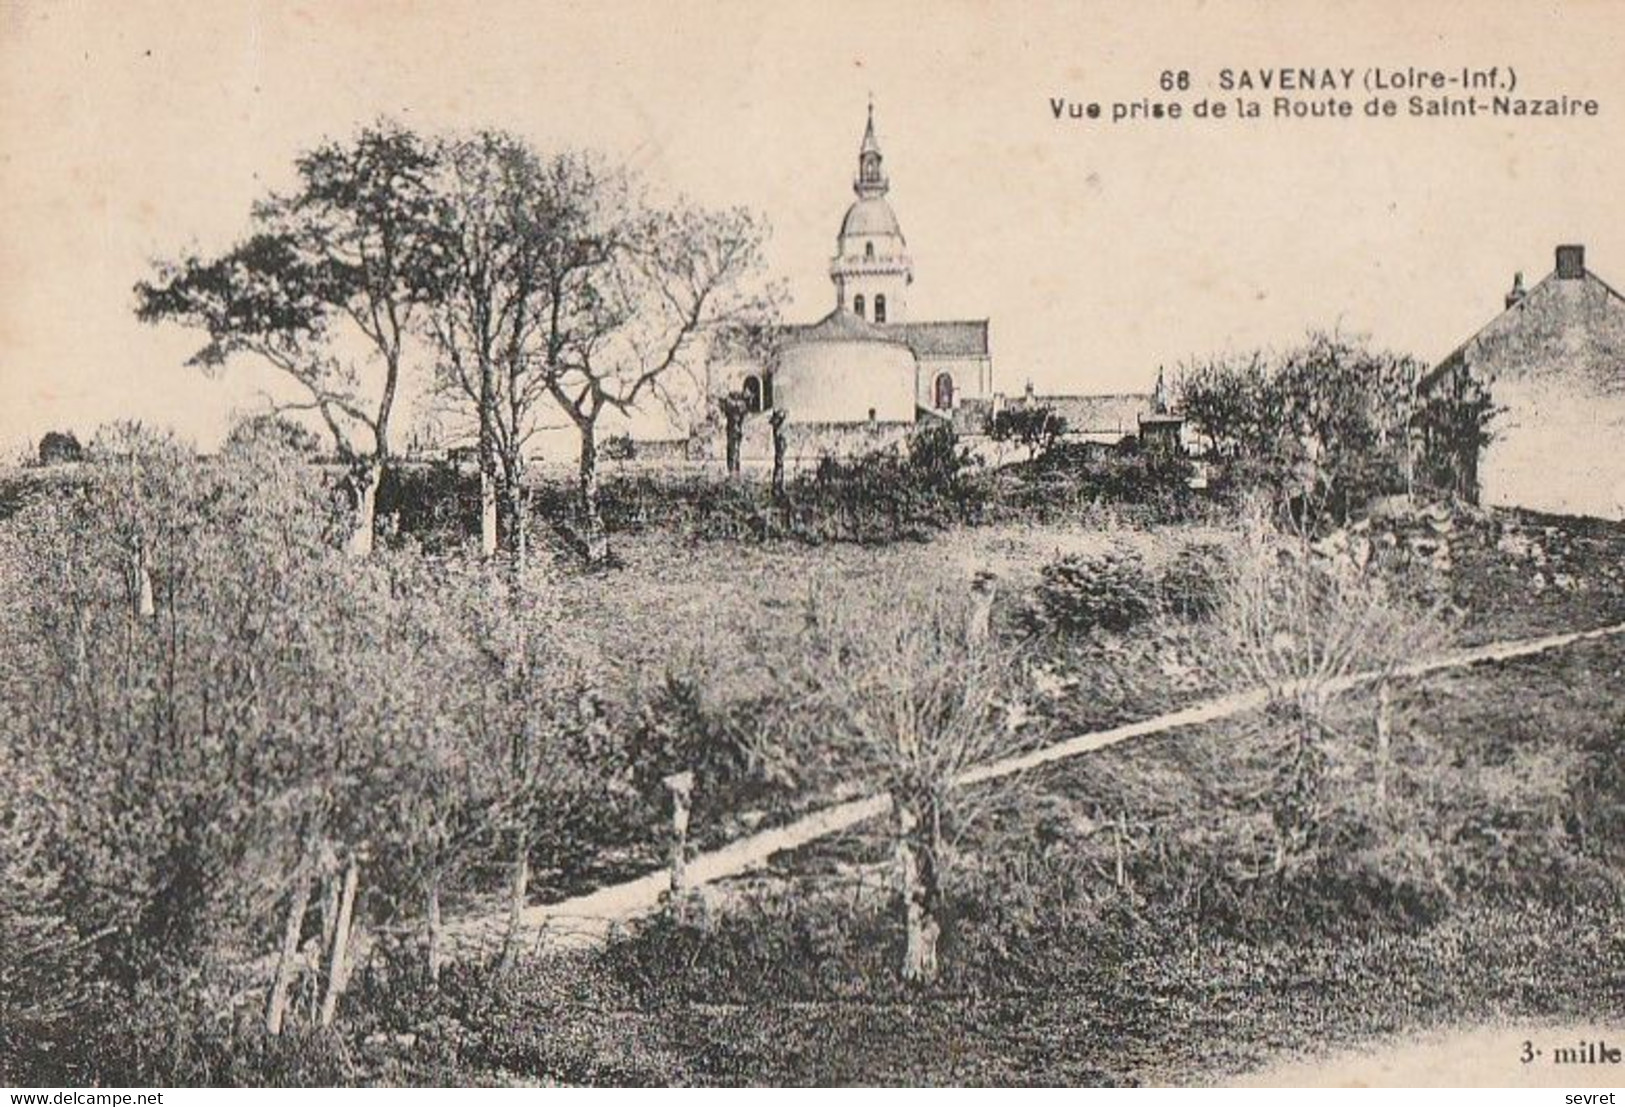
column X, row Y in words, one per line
column 133, row 131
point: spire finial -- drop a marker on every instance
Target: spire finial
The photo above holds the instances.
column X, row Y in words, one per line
column 871, row 181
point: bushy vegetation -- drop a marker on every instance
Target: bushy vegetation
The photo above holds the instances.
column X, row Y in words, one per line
column 881, row 497
column 1323, row 427
column 229, row 744
column 243, row 721
column 1081, row 482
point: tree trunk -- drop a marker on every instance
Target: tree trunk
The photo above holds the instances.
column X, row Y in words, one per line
column 364, row 481
column 341, row 942
column 488, row 457
column 488, row 512
column 733, row 422
column 917, row 871
column 276, row 1006
column 145, row 608
column 1385, row 723
column 511, row 522
column 434, row 930
column 595, row 540
column 779, row 444
column 518, row 890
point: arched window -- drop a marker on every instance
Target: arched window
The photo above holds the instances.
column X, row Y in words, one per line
column 944, row 391
column 880, row 309
column 753, row 394
column 857, row 306
column 869, row 250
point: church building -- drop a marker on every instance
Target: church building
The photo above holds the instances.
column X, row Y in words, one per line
column 868, row 362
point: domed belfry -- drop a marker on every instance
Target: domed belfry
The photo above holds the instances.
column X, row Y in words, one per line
column 871, row 268
column 868, row 365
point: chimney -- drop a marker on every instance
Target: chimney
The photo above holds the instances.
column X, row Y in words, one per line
column 1029, row 391
column 1571, row 263
column 1518, row 291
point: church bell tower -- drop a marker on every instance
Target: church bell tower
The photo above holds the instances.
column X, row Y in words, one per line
column 871, row 268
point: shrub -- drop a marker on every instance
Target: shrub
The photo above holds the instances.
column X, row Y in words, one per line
column 1192, row 581
column 435, row 504
column 1112, row 591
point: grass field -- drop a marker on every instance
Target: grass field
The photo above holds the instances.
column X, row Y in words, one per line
column 1121, row 991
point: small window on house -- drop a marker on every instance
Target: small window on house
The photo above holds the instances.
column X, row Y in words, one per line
column 753, row 394
column 869, row 250
column 880, row 309
column 857, row 306
column 944, row 391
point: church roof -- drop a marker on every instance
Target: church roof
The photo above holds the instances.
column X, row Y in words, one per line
column 947, row 338
column 840, row 325
column 871, row 215
column 957, row 338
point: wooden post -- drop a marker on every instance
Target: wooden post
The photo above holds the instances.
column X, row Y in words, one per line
column 341, row 941
column 1385, row 713
column 276, row 1005
column 435, row 957
column 681, row 787
column 1119, row 833
column 981, row 608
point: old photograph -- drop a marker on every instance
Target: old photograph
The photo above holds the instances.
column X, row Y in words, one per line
column 978, row 544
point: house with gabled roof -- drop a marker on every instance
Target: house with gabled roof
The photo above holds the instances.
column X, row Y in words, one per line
column 1552, row 366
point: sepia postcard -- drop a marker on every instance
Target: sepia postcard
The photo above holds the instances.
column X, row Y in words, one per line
column 978, row 543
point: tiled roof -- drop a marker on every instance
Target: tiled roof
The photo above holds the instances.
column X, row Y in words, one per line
column 958, row 338
column 1115, row 413
column 839, row 326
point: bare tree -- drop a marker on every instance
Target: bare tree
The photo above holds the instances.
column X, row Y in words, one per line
column 630, row 294
column 909, row 696
column 487, row 318
column 1308, row 623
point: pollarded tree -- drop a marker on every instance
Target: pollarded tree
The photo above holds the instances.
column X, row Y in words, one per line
column 336, row 265
column 909, row 697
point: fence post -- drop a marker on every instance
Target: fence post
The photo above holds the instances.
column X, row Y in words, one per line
column 681, row 787
column 1385, row 713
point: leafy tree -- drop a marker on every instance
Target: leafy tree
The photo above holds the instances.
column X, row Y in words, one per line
column 58, row 447
column 1324, row 425
column 1453, row 425
column 1036, row 428
column 486, row 317
column 340, row 260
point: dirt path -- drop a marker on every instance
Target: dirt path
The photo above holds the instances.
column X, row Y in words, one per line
column 588, row 918
column 1490, row 1056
